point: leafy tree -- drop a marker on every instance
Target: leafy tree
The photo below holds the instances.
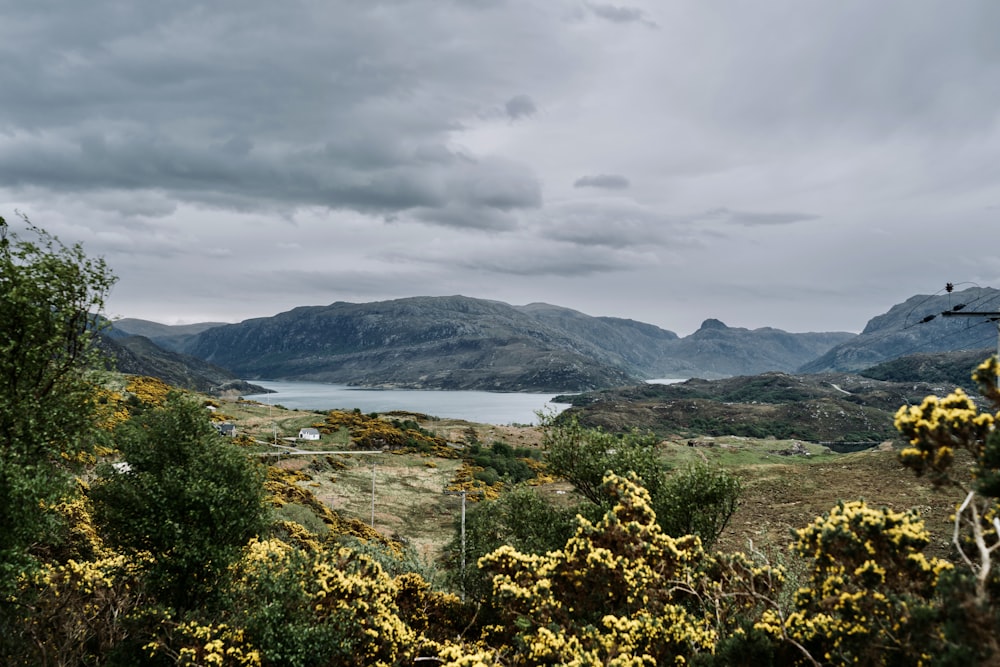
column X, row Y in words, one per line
column 582, row 456
column 501, row 461
column 48, row 295
column 698, row 500
column 519, row 518
column 186, row 495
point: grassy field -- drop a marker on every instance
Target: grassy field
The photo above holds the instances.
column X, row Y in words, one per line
column 782, row 491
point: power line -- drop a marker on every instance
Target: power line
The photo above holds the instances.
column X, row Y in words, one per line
column 990, row 315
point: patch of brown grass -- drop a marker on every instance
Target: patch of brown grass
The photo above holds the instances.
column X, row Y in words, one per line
column 779, row 497
column 409, row 501
column 780, row 493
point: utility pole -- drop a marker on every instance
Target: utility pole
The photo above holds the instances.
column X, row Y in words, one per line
column 463, row 493
column 270, row 418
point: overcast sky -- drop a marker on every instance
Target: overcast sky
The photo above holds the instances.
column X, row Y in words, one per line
column 788, row 163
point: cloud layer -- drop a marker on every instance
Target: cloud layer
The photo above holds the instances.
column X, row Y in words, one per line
column 768, row 164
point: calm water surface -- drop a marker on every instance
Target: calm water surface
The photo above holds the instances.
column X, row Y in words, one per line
column 483, row 407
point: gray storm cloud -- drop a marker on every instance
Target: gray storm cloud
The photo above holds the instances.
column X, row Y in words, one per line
column 607, row 181
column 520, row 106
column 292, row 153
column 619, row 14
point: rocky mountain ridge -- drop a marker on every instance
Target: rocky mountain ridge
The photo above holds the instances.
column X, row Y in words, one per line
column 919, row 325
column 459, row 342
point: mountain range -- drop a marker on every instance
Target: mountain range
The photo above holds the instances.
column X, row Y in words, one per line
column 459, row 342
column 138, row 355
column 920, row 325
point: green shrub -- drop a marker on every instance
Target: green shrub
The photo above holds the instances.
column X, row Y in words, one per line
column 189, row 498
column 697, row 500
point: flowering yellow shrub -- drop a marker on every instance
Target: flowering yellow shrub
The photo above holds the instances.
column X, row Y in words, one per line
column 109, row 408
column 935, row 430
column 431, row 614
column 79, row 608
column 299, row 535
column 464, row 479
column 335, row 603
column 936, row 427
column 282, row 488
column 462, row 656
column 542, row 473
column 867, row 579
column 337, row 419
column 193, row 644
column 374, row 433
column 621, row 592
column 148, row 390
column 82, row 541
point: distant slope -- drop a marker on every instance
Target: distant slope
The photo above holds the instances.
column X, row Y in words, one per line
column 427, row 342
column 717, row 351
column 831, row 408
column 168, row 336
column 137, row 355
column 951, row 368
column 636, row 346
column 902, row 331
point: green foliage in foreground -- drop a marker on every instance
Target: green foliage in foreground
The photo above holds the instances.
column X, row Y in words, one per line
column 697, row 500
column 48, row 412
column 184, row 578
column 186, row 496
column 519, row 518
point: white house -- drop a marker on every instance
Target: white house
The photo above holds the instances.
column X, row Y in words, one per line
column 225, row 428
column 308, row 434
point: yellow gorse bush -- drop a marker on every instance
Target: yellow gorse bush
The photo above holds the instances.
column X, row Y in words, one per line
column 80, row 606
column 109, row 408
column 621, row 592
column 936, row 427
column 867, row 577
column 148, row 390
column 193, row 644
column 346, row 598
column 374, row 433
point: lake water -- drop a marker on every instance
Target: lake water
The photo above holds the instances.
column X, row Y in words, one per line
column 484, row 407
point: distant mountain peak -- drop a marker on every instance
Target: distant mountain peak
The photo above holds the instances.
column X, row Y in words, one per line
column 712, row 323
